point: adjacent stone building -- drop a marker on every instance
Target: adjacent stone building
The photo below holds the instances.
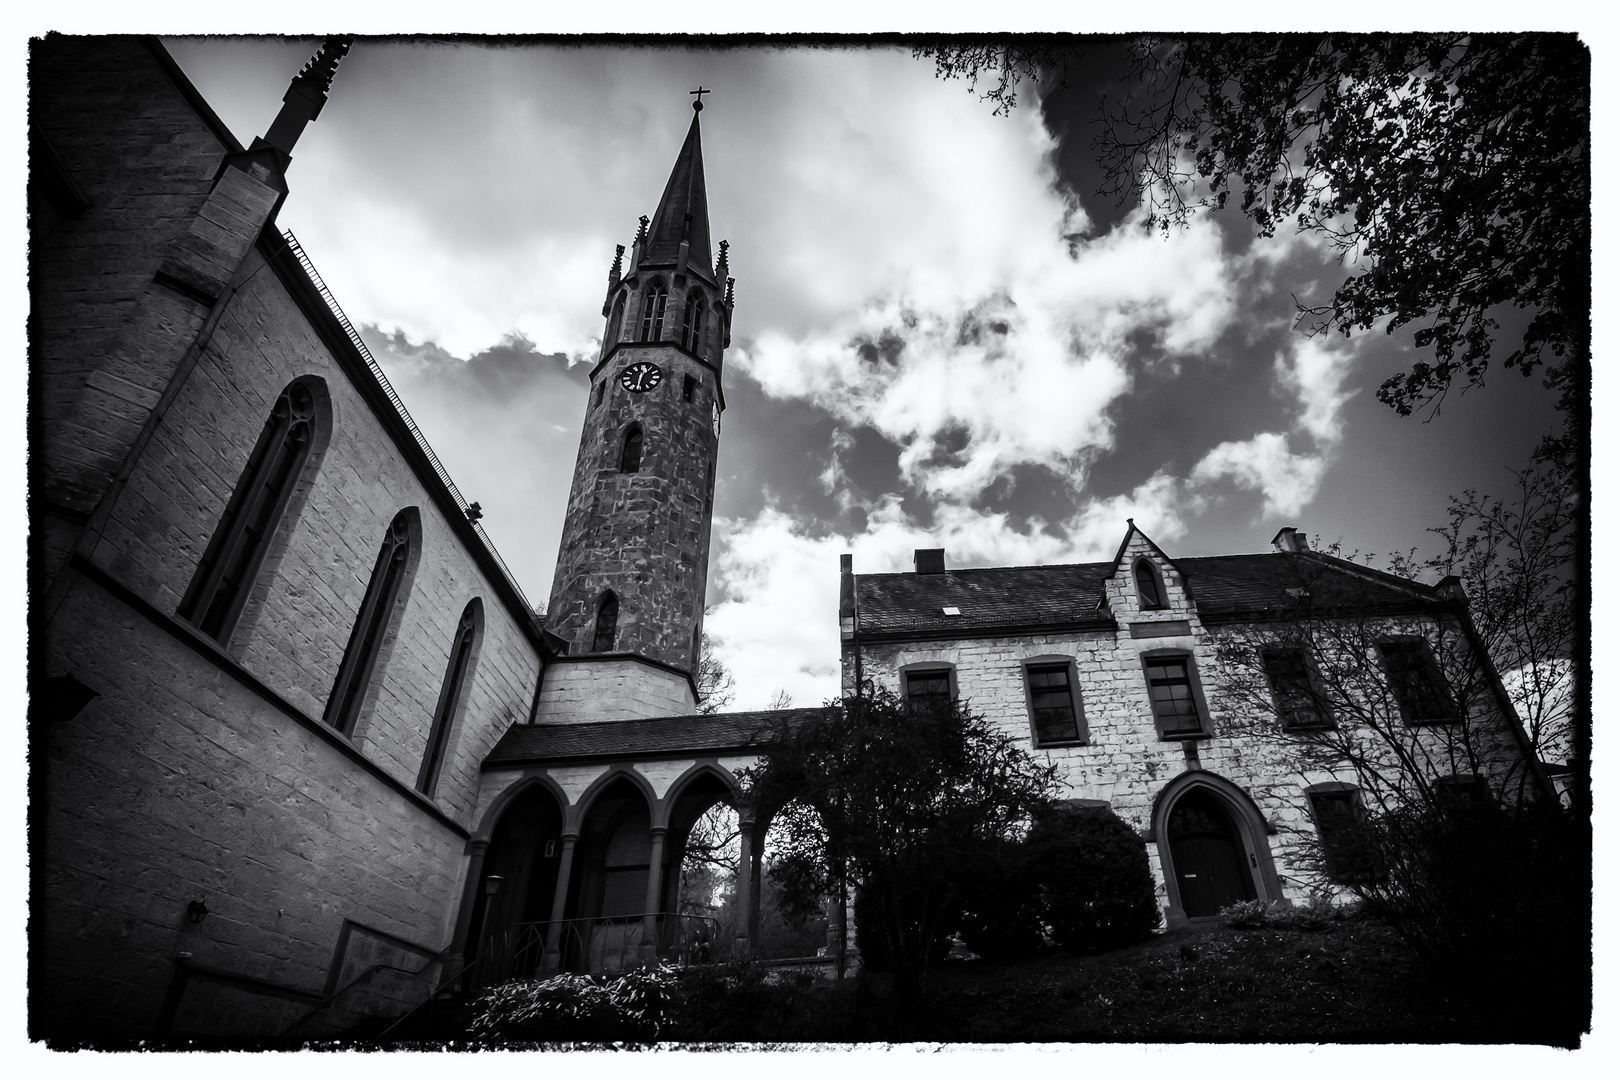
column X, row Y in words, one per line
column 1210, row 702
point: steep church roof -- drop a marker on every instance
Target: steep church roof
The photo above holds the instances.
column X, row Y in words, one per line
column 683, row 213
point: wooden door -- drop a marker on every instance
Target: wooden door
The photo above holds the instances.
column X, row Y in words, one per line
column 1207, row 856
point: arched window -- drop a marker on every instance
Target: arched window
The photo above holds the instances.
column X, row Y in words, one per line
column 225, row 576
column 692, row 323
column 1148, row 588
column 607, row 623
column 456, row 678
column 630, row 454
column 371, row 624
column 614, row 325
column 652, row 311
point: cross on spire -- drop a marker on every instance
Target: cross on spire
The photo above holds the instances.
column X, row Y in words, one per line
column 697, row 105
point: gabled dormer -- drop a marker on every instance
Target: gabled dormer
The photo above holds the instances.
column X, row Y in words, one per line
column 1145, row 583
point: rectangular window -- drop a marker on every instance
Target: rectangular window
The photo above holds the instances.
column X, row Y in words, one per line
column 1347, row 854
column 688, row 385
column 1299, row 704
column 1052, row 705
column 927, row 690
column 1170, row 688
column 1415, row 682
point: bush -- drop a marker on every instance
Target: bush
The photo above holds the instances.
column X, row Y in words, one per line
column 1002, row 916
column 1316, row 914
column 1095, row 882
column 633, row 1007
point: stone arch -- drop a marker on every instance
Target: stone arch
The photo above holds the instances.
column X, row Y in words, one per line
column 512, row 885
column 688, row 778
column 497, row 807
column 1151, row 593
column 617, row 771
column 1248, row 831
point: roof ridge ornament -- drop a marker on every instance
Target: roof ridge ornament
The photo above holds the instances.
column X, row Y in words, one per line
column 697, row 103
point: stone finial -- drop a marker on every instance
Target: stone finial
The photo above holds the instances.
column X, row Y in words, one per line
column 618, row 262
column 641, row 230
column 323, row 65
column 722, row 265
column 307, row 95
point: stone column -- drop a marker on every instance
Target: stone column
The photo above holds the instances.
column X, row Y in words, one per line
column 655, row 887
column 744, row 906
column 565, row 865
column 476, row 851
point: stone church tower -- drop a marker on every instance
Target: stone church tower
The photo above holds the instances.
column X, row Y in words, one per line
column 633, row 565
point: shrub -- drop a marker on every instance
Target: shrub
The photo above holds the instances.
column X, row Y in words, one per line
column 635, row 1006
column 1095, row 882
column 1002, row 916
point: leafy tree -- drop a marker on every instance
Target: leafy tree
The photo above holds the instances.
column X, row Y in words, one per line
column 715, row 686
column 1487, row 878
column 1453, row 170
column 1095, row 882
column 900, row 804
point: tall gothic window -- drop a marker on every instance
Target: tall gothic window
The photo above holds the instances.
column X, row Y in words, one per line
column 692, row 323
column 614, row 324
column 218, row 590
column 630, row 454
column 652, row 311
column 456, row 677
column 371, row 624
column 607, row 623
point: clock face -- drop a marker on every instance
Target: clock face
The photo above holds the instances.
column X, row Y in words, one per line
column 715, row 412
column 641, row 377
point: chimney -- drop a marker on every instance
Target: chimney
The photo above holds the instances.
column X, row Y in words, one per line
column 929, row 560
column 1288, row 539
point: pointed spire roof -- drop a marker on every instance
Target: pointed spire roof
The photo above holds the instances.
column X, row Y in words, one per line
column 683, row 213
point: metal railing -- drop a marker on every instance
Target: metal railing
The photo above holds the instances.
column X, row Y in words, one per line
column 597, row 947
column 399, row 406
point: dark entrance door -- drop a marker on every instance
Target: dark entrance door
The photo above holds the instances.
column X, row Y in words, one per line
column 1207, row 856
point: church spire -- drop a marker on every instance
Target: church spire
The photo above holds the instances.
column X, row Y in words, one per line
column 682, row 218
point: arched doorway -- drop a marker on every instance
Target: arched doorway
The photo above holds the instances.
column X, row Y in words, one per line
column 1209, row 861
column 518, row 883
column 607, row 901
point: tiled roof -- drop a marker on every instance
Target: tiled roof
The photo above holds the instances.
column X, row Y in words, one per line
column 999, row 597
column 666, row 736
column 1005, row 598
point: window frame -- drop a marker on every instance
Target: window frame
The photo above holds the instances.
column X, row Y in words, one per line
column 1195, row 689
column 632, row 431
column 927, row 667
column 375, row 623
column 654, row 302
column 692, row 322
column 1068, row 665
column 1161, row 601
column 1325, row 720
column 236, row 540
column 608, row 596
column 453, row 693
column 1426, row 664
column 1338, row 865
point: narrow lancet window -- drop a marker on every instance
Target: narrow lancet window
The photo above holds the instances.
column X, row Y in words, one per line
column 371, row 625
column 456, row 677
column 225, row 576
column 607, row 623
column 652, row 312
column 614, row 325
column 692, row 323
column 630, row 455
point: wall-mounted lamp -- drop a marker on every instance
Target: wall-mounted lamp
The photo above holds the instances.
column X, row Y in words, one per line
column 197, row 910
column 492, row 883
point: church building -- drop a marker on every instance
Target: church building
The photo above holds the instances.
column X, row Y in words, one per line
column 301, row 750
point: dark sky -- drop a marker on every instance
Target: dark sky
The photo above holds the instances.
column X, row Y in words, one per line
column 943, row 336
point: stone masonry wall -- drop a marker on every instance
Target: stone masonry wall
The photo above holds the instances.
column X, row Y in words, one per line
column 178, row 784
column 294, row 631
column 617, row 689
